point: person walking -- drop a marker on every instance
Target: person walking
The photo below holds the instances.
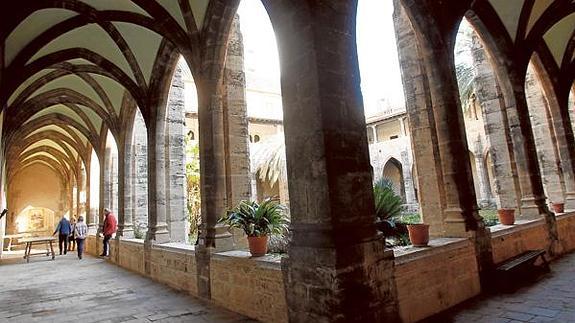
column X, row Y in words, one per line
column 110, row 227
column 71, row 237
column 63, row 229
column 80, row 232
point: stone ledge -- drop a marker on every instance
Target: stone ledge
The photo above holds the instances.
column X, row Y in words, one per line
column 176, row 247
column 520, row 225
column 269, row 260
column 567, row 214
column 438, row 245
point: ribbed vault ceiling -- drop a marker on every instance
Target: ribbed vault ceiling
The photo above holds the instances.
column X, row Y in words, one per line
column 69, row 65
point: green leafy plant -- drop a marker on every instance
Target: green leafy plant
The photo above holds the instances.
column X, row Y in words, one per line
column 258, row 219
column 388, row 209
column 193, row 202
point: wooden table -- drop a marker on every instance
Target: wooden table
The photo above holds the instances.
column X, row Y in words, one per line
column 38, row 240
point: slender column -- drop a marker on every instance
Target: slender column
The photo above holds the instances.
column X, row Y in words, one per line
column 329, row 275
column 483, row 177
column 421, row 123
column 236, row 140
column 559, row 118
column 544, row 141
column 175, row 161
column 496, row 128
column 410, row 198
column 374, row 131
column 157, row 227
column 125, row 227
column 532, row 202
column 460, row 205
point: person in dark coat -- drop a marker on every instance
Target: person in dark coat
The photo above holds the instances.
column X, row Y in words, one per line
column 63, row 229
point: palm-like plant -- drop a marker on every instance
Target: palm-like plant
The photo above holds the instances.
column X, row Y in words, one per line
column 258, row 220
column 268, row 159
column 388, row 209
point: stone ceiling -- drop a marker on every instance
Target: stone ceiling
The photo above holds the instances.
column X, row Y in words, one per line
column 70, row 66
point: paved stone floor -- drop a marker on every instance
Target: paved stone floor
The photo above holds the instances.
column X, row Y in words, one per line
column 91, row 290
column 551, row 299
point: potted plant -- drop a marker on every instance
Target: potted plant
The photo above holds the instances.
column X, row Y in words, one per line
column 558, row 207
column 258, row 220
column 418, row 234
column 506, row 216
column 388, row 209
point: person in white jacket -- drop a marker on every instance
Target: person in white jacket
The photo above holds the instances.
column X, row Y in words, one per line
column 80, row 232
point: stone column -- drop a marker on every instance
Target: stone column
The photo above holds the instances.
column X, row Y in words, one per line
column 139, row 176
column 459, row 199
column 421, row 122
column 157, row 226
column 544, row 139
column 496, row 128
column 561, row 116
column 410, row 198
column 125, row 227
column 236, row 138
column 483, row 178
column 338, row 268
column 175, row 161
column 89, row 219
column 374, row 131
column 402, row 129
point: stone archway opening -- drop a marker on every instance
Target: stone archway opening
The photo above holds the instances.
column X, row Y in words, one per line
column 393, row 171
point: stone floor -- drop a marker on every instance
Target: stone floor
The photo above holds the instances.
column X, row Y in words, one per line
column 91, row 290
column 551, row 299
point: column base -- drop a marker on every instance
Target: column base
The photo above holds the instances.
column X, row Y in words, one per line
column 224, row 239
column 158, row 234
column 454, row 224
column 529, row 210
column 92, row 229
column 347, row 282
column 570, row 201
column 125, row 231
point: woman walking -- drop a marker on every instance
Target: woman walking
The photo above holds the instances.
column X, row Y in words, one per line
column 80, row 232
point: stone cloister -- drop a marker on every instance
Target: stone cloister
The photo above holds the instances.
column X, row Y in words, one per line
column 91, row 117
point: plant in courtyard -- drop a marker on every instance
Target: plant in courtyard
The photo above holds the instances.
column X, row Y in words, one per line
column 193, row 201
column 258, row 221
column 388, row 209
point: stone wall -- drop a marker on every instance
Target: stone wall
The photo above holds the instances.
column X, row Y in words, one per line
column 140, row 176
column 438, row 277
column 248, row 286
column 565, row 225
column 441, row 276
column 510, row 241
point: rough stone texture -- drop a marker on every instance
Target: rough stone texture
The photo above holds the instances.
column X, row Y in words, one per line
column 237, row 154
column 496, row 127
column 547, row 153
column 139, row 175
column 421, row 124
column 111, row 294
column 176, row 213
column 253, row 288
column 509, row 241
column 439, row 277
column 565, row 225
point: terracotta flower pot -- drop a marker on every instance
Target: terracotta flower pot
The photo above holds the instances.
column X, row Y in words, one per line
column 558, row 207
column 418, row 234
column 506, row 216
column 258, row 245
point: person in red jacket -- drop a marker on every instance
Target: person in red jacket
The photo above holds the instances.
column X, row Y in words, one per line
column 110, row 227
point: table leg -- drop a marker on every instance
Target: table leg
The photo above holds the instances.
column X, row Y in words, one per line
column 27, row 254
column 52, row 249
column 10, row 244
column 47, row 250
